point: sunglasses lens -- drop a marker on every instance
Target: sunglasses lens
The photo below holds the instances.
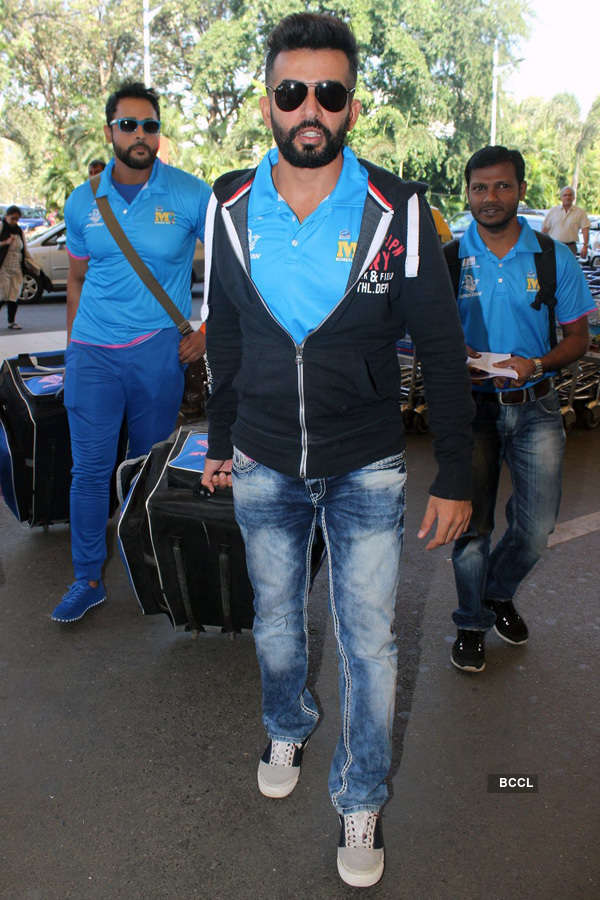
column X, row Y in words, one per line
column 290, row 94
column 332, row 95
column 127, row 125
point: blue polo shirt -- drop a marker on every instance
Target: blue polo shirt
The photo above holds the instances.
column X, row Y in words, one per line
column 495, row 295
column 301, row 268
column 162, row 222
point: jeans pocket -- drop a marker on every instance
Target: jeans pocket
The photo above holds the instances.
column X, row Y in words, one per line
column 549, row 404
column 397, row 461
column 242, row 464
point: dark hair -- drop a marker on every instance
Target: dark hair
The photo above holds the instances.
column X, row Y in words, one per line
column 310, row 31
column 10, row 210
column 491, row 156
column 96, row 162
column 131, row 89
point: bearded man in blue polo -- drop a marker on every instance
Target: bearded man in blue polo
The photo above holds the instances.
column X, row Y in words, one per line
column 125, row 357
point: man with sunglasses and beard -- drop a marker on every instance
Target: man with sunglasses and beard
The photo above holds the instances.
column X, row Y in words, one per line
column 319, row 262
column 125, row 357
column 518, row 419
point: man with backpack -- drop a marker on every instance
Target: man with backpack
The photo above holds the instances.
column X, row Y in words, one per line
column 512, row 286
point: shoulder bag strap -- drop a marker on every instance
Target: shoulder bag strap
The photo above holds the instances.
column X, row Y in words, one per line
column 132, row 257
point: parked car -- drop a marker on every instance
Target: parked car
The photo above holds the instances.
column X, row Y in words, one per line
column 49, row 252
column 461, row 221
column 593, row 254
column 31, row 216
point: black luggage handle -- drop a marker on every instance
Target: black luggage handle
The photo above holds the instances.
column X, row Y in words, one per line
column 200, row 491
column 26, row 359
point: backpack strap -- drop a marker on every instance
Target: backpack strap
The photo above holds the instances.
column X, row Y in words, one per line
column 545, row 266
column 453, row 262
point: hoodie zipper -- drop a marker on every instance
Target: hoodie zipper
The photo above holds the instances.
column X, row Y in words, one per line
column 299, row 348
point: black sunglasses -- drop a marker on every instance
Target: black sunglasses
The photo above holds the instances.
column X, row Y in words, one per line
column 331, row 95
column 128, row 125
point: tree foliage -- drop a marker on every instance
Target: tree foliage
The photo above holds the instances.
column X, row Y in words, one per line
column 559, row 148
column 425, row 85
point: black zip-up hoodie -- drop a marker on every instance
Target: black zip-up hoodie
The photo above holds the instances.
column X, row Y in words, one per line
column 332, row 404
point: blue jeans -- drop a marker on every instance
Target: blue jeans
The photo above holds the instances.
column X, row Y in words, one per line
column 530, row 438
column 361, row 515
column 144, row 384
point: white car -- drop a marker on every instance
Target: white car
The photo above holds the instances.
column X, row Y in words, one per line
column 593, row 255
column 49, row 251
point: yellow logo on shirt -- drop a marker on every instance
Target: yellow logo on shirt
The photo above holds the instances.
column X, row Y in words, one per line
column 532, row 283
column 163, row 216
column 346, row 250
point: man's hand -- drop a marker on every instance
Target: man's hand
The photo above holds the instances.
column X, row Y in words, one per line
column 192, row 347
column 453, row 517
column 477, row 375
column 523, row 367
column 217, row 474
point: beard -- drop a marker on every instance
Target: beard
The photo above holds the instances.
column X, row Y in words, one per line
column 309, row 157
column 498, row 226
column 135, row 162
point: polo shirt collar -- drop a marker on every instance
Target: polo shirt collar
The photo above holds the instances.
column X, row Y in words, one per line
column 352, row 178
column 472, row 244
column 155, row 184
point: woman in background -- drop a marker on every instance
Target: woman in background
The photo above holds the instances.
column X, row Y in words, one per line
column 13, row 257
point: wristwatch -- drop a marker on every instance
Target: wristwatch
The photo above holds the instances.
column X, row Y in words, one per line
column 538, row 371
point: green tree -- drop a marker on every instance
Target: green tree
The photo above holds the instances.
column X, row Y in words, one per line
column 424, row 82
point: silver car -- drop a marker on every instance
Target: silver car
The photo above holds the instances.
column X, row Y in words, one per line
column 49, row 252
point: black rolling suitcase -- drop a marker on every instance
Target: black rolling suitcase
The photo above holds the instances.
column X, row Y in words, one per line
column 35, row 445
column 182, row 548
column 35, row 450
column 136, row 479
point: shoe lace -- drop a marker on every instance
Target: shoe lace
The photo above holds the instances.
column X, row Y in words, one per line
column 77, row 590
column 359, row 829
column 282, row 753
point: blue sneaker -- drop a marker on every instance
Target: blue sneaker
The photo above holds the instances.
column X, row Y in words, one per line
column 79, row 598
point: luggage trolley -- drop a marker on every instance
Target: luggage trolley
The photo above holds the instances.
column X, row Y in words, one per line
column 587, row 396
column 412, row 391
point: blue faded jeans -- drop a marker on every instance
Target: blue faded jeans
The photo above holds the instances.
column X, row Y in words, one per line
column 361, row 515
column 530, row 438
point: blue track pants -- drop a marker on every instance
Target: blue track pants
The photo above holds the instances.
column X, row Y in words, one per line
column 143, row 384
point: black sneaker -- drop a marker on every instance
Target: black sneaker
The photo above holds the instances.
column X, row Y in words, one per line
column 468, row 650
column 360, row 856
column 509, row 624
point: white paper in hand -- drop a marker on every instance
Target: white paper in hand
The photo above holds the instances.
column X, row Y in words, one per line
column 486, row 363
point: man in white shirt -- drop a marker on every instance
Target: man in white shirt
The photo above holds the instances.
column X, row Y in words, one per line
column 563, row 222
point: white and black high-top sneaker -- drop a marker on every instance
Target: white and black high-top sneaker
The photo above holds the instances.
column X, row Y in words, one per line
column 279, row 768
column 360, row 856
